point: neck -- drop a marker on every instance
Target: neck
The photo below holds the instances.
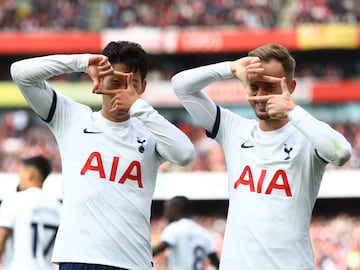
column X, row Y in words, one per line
column 118, row 118
column 272, row 124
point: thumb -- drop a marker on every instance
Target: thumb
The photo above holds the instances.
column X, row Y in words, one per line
column 96, row 84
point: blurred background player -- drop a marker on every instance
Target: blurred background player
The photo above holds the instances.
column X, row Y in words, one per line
column 30, row 218
column 189, row 244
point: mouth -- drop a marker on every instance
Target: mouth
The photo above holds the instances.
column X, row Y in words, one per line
column 261, row 105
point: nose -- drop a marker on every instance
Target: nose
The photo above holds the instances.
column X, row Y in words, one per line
column 261, row 92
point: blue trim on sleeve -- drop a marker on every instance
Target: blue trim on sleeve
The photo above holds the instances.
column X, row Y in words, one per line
column 216, row 124
column 317, row 154
column 52, row 108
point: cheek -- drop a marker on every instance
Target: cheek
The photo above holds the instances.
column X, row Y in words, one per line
column 253, row 93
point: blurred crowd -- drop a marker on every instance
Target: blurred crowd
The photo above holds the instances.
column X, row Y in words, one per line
column 190, row 13
column 326, row 11
column 42, row 15
column 33, row 15
column 23, row 134
column 336, row 240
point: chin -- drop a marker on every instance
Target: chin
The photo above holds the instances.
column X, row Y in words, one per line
column 263, row 116
column 120, row 116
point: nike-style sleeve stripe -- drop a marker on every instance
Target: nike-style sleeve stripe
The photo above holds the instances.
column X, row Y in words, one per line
column 52, row 108
column 216, row 124
column 317, row 154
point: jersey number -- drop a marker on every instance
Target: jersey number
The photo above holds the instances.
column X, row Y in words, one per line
column 199, row 258
column 51, row 229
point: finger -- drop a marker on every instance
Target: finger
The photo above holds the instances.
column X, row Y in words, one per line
column 105, row 69
column 102, row 63
column 130, row 79
column 255, row 70
column 284, row 87
column 96, row 85
column 107, row 72
column 105, row 91
column 254, row 65
column 254, row 59
column 270, row 79
column 104, row 60
column 259, row 98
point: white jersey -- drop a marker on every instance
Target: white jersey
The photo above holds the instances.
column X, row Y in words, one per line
column 190, row 244
column 108, row 169
column 34, row 217
column 273, row 177
column 7, row 254
column 8, row 251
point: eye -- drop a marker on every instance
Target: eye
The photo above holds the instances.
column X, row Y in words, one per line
column 270, row 86
column 115, row 81
column 254, row 87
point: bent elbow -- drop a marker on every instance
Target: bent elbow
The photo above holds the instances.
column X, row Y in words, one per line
column 17, row 74
column 14, row 71
column 341, row 155
column 344, row 156
column 187, row 156
column 175, row 83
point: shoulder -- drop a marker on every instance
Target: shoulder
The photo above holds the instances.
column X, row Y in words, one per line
column 228, row 115
column 230, row 122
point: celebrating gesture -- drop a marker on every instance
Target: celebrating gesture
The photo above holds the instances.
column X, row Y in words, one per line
column 110, row 157
column 275, row 163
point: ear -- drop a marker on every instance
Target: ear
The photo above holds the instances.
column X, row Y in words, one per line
column 292, row 86
column 143, row 86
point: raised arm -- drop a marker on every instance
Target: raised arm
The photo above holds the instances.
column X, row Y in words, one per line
column 329, row 144
column 188, row 87
column 172, row 143
column 30, row 76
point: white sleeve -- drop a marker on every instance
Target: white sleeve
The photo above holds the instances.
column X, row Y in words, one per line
column 8, row 213
column 169, row 234
column 188, row 87
column 30, row 76
column 329, row 144
column 171, row 143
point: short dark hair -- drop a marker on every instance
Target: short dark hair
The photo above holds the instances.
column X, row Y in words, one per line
column 182, row 204
column 131, row 54
column 40, row 163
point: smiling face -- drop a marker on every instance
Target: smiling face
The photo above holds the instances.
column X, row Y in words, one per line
column 277, row 62
column 259, row 87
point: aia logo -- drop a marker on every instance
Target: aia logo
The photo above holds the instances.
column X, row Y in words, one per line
column 94, row 163
column 279, row 181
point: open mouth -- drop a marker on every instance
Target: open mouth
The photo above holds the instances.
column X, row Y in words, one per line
column 261, row 105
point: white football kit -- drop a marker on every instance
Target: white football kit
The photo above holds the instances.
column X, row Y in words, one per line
column 109, row 169
column 273, row 176
column 190, row 244
column 34, row 217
